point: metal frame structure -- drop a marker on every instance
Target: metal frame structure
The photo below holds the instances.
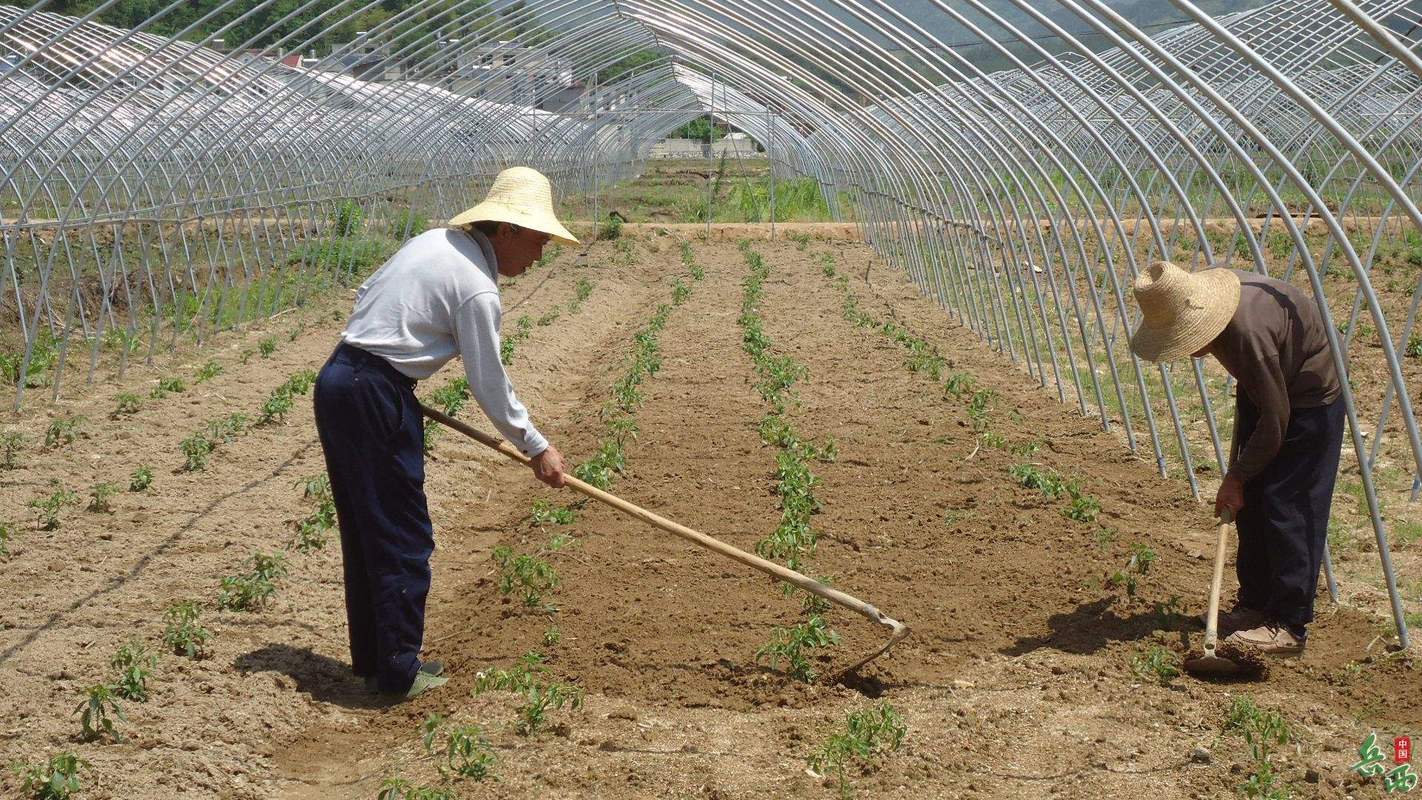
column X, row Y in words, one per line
column 155, row 188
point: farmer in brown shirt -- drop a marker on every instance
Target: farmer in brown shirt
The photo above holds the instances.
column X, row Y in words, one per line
column 1288, row 430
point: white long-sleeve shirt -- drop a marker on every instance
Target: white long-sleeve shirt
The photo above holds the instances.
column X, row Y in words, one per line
column 438, row 297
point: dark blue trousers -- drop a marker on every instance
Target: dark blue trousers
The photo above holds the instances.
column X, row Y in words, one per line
column 371, row 431
column 1283, row 526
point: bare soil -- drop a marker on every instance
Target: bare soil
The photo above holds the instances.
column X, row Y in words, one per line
column 1016, row 682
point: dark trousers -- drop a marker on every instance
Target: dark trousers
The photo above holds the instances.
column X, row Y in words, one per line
column 370, row 428
column 1284, row 523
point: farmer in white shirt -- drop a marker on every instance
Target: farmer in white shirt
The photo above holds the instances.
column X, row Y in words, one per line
column 436, row 298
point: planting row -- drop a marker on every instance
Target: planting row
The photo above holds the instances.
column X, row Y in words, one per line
column 462, row 751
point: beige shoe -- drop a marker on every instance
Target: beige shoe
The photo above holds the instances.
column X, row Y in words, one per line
column 1268, row 639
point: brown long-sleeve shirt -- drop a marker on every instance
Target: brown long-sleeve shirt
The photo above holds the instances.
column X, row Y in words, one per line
column 1277, row 350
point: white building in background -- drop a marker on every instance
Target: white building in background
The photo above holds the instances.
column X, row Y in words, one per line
column 511, row 73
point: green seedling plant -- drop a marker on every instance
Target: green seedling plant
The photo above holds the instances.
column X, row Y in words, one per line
column 267, row 346
column 531, row 576
column 56, row 779
column 167, row 385
column 538, row 697
column 6, row 532
column 62, row 431
column 97, row 712
column 196, row 450
column 1158, row 664
column 182, row 634
column 100, row 496
column 552, row 636
column 680, row 292
column 50, row 506
column 401, row 789
column 141, row 479
column 868, row 737
column 791, row 646
column 10, row 446
column 252, row 590
column 1045, row 481
column 511, row 342
column 467, row 753
column 135, row 666
column 546, row 514
column 959, row 384
column 128, row 403
column 1083, row 507
column 1262, row 730
column 549, row 318
column 1142, row 556
column 208, row 371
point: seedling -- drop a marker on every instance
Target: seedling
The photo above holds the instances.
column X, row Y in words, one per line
column 1414, row 347
column 1046, row 481
column 196, row 450
column 166, row 385
column 552, row 636
column 582, row 290
column 310, row 535
column 135, row 665
column 530, row 575
column 182, row 634
column 868, row 736
column 6, row 531
column 680, row 292
column 97, row 712
column 978, row 406
column 49, row 507
column 545, row 514
column 790, row 644
column 99, row 497
column 252, row 589
column 141, row 479
column 538, row 697
column 549, row 318
column 267, row 346
column 62, row 431
column 128, row 403
column 1157, row 663
column 57, row 779
column 959, row 384
column 401, row 789
column 1083, row 508
column 1262, row 729
column 275, row 408
column 10, row 444
column 208, row 371
column 467, row 753
column 227, row 428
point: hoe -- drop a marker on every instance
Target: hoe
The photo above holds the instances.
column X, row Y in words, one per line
column 897, row 629
column 1216, row 659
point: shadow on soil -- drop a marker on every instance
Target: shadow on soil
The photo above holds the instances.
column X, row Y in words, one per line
column 325, row 679
column 1090, row 628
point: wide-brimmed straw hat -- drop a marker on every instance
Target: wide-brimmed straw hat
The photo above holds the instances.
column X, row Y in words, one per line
column 520, row 196
column 1181, row 311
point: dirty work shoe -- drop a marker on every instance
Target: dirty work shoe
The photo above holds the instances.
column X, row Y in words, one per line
column 1239, row 618
column 431, row 668
column 1270, row 639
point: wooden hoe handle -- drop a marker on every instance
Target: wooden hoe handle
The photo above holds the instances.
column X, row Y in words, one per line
column 749, row 559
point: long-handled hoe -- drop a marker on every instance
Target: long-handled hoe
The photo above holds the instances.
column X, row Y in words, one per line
column 897, row 629
column 1216, row 659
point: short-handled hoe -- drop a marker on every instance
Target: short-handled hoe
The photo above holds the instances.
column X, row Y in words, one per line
column 897, row 629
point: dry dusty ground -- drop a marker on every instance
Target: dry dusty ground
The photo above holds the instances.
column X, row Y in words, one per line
column 1017, row 681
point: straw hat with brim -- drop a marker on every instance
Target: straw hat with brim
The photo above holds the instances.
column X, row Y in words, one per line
column 1181, row 311
column 520, row 196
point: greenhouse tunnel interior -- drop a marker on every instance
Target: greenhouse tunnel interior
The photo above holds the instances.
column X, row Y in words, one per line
column 1021, row 161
